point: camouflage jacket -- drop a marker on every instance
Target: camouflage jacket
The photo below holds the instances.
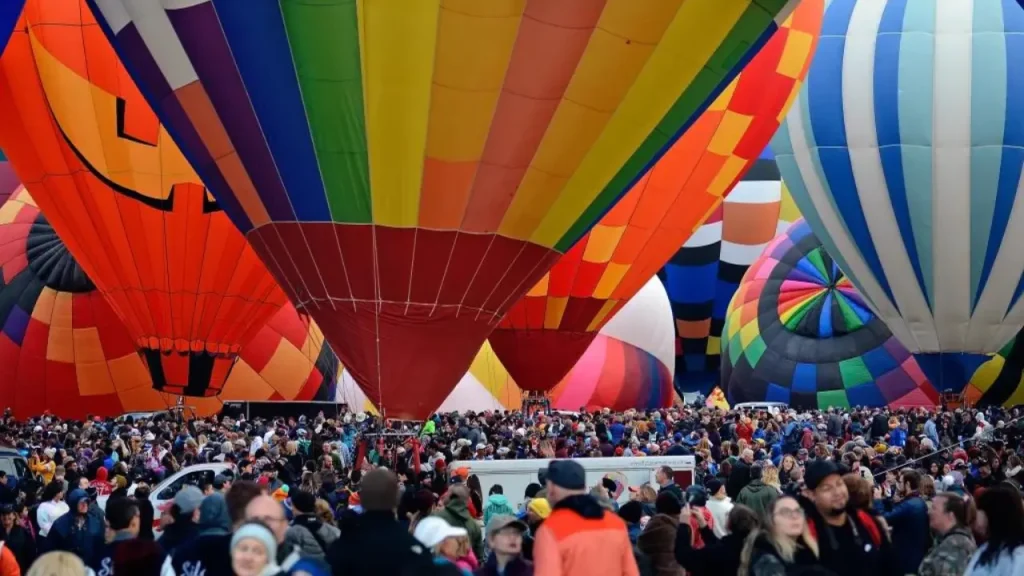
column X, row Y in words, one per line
column 950, row 555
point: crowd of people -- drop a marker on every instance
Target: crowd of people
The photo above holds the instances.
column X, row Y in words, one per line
column 833, row 492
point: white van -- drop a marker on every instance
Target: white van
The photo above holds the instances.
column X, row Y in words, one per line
column 772, row 408
column 515, row 475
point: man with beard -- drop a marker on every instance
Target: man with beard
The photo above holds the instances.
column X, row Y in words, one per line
column 850, row 542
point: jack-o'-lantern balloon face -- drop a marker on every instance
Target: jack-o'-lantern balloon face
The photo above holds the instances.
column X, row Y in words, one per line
column 128, row 205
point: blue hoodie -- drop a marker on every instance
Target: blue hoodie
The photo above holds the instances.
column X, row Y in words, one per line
column 84, row 539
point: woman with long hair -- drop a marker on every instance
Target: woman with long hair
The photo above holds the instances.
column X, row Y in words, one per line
column 1000, row 524
column 783, row 544
column 770, row 476
column 786, row 469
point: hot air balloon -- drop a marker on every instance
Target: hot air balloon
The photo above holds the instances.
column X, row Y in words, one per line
column 10, row 10
column 703, row 274
column 903, row 153
column 629, row 365
column 999, row 381
column 798, row 332
column 547, row 331
column 127, row 204
column 62, row 348
column 288, row 359
column 409, row 170
column 8, row 179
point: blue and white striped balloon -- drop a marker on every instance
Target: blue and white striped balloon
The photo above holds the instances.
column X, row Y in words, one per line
column 904, row 152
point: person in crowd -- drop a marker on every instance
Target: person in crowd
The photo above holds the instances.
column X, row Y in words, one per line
column 1000, row 523
column 125, row 553
column 955, row 545
column 757, row 495
column 784, row 543
column 8, row 493
column 51, row 508
column 312, row 537
column 377, row 544
column 657, row 541
column 444, row 542
column 210, row 550
column 146, row 512
column 456, row 513
column 58, row 563
column 739, row 477
column 15, row 538
column 665, row 477
column 580, row 537
column 909, row 522
column 719, row 504
column 254, row 550
column 718, row 556
column 77, row 531
column 184, row 512
column 505, row 541
column 850, row 542
column 497, row 504
column 631, row 513
column 537, row 512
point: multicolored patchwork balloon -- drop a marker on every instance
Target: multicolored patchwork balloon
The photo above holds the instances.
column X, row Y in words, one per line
column 704, row 273
column 798, row 332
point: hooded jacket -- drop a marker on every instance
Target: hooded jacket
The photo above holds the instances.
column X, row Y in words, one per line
column 80, row 534
column 376, row 544
column 456, row 514
column 658, row 541
column 312, row 537
column 497, row 504
column 757, row 496
column 581, row 537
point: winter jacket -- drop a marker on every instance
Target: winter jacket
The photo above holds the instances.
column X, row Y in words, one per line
column 1008, row 563
column 376, row 544
column 720, row 512
column 738, row 479
column 581, row 537
column 122, row 545
column 675, row 490
column 950, row 555
column 456, row 514
column 21, row 544
column 496, row 504
column 80, row 534
column 911, row 534
column 765, row 560
column 716, row 557
column 177, row 533
column 658, row 541
column 517, row 567
column 758, row 496
column 312, row 537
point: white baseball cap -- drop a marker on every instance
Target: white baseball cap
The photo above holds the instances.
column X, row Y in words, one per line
column 431, row 531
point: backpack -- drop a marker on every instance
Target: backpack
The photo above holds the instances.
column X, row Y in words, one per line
column 794, row 435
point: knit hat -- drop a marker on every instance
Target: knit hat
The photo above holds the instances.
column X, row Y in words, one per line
column 540, row 506
column 260, row 533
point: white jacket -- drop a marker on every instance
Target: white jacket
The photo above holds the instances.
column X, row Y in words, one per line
column 720, row 512
column 47, row 514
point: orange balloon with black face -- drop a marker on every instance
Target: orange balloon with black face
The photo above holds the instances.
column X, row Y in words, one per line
column 131, row 210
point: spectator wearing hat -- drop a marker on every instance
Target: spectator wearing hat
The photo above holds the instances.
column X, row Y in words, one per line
column 374, row 542
column 312, row 537
column 505, row 540
column 850, row 543
column 456, row 512
column 184, row 513
column 77, row 531
column 537, row 511
column 580, row 537
column 444, row 542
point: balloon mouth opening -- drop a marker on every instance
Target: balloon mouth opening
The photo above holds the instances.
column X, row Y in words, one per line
column 199, row 374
